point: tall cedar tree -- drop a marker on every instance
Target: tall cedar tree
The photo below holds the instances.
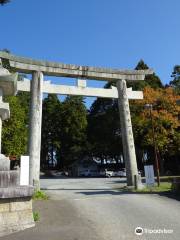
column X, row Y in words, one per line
column 73, row 130
column 51, row 127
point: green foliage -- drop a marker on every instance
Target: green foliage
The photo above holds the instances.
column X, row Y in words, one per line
column 141, row 65
column 36, row 216
column 63, row 130
column 73, row 131
column 15, row 129
column 24, row 99
column 40, row 195
column 152, row 80
column 51, row 128
column 104, row 129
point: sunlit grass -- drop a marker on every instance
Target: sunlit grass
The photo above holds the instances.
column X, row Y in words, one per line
column 36, row 216
column 164, row 187
column 40, row 195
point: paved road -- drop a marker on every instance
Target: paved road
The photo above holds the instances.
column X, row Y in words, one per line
column 93, row 209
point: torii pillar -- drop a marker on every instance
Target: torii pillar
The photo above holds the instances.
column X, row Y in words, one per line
column 34, row 147
column 127, row 134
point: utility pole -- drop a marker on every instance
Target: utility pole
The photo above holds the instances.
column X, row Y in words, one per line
column 150, row 107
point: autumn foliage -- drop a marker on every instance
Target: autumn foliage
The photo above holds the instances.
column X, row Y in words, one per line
column 164, row 116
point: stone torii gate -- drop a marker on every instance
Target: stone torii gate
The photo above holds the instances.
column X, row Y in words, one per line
column 37, row 86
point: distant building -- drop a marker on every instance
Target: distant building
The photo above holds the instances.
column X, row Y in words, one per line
column 84, row 168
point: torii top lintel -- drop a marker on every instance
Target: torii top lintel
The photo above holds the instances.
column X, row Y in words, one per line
column 27, row 65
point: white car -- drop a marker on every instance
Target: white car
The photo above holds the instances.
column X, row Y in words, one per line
column 108, row 173
column 120, row 173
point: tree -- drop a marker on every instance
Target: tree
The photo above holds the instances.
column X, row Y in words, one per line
column 51, row 127
column 165, row 118
column 104, row 132
column 15, row 129
column 24, row 99
column 73, row 130
column 63, row 130
column 150, row 80
column 2, row 2
column 175, row 83
column 141, row 65
column 104, row 123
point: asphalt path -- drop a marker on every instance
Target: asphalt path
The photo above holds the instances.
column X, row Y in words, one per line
column 90, row 208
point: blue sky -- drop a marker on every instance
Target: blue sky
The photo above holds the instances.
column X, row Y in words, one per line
column 109, row 33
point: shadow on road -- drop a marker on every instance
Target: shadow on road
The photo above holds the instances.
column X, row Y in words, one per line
column 118, row 192
column 73, row 189
column 64, row 177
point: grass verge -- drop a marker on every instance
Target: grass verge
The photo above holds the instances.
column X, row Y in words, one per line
column 40, row 195
column 36, row 216
column 164, row 187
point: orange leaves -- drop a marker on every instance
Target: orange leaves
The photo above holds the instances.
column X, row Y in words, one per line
column 164, row 113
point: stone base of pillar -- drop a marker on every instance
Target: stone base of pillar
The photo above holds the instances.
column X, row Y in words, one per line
column 15, row 215
column 36, row 185
column 138, row 182
column 15, row 200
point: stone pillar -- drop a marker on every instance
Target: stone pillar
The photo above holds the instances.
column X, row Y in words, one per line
column 127, row 133
column 35, row 129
